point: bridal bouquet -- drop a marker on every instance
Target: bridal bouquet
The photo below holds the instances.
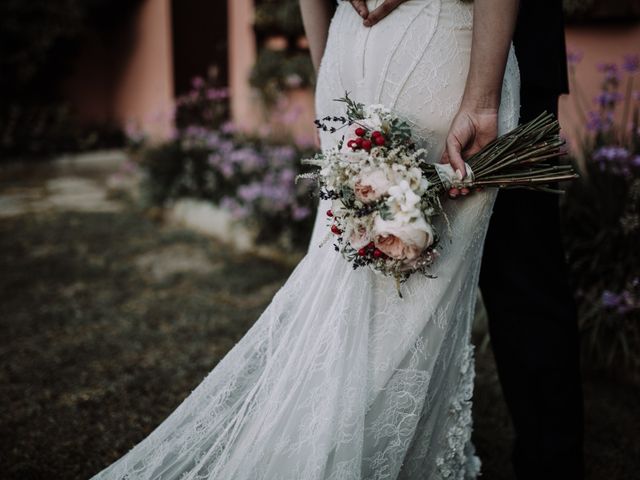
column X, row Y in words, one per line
column 385, row 196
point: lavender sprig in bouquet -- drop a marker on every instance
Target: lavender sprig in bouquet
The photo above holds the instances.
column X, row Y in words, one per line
column 385, row 196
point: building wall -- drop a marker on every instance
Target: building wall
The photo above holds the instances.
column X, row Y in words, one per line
column 128, row 76
column 242, row 56
column 144, row 92
column 605, row 43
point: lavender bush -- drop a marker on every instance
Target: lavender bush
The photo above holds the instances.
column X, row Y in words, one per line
column 602, row 213
column 252, row 176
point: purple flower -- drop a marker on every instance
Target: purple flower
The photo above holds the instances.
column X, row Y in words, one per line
column 197, row 82
column 622, row 303
column 610, row 71
column 217, row 94
column 280, row 156
column 574, row 57
column 610, row 299
column 598, row 122
column 236, row 210
column 635, row 161
column 614, row 158
column 227, row 170
column 228, row 128
column 611, row 153
column 248, row 159
column 631, row 63
column 250, row 192
column 287, row 175
column 608, row 99
column 300, row 213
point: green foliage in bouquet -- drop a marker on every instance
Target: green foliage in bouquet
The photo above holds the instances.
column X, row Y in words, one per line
column 601, row 215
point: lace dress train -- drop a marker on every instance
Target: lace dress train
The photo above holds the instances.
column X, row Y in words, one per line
column 340, row 378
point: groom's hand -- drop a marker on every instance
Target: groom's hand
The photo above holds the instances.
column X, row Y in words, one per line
column 373, row 17
column 470, row 131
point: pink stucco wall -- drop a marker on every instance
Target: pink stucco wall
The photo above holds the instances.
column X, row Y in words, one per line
column 242, row 55
column 607, row 43
column 145, row 88
column 128, row 77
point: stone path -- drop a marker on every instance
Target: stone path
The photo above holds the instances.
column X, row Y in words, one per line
column 80, row 183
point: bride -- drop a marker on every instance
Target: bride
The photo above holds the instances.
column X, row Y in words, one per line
column 340, row 378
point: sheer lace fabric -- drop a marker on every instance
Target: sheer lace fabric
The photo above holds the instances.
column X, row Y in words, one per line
column 340, row 378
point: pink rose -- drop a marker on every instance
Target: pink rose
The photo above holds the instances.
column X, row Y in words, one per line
column 402, row 239
column 371, row 186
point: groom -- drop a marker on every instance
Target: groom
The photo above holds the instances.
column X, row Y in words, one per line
column 532, row 318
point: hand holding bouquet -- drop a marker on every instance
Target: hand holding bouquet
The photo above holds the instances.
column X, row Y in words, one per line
column 385, row 195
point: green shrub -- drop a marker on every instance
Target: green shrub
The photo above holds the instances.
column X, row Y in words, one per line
column 601, row 215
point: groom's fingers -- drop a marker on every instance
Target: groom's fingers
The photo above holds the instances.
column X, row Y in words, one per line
column 382, row 11
column 360, row 6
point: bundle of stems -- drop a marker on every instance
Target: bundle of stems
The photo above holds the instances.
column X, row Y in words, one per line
column 520, row 158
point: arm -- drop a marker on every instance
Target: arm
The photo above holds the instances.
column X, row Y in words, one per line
column 316, row 15
column 476, row 122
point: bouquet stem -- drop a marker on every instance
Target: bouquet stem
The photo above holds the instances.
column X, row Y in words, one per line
column 521, row 157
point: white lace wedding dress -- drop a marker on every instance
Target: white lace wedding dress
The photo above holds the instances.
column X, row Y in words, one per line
column 340, row 378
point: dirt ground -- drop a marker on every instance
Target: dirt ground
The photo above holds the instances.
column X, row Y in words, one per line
column 109, row 319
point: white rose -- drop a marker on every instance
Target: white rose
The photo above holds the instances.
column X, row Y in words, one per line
column 401, row 238
column 404, row 197
column 371, row 185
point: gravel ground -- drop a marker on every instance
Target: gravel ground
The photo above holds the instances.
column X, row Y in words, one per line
column 109, row 320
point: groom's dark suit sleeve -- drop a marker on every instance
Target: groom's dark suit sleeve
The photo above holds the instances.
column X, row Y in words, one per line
column 532, row 318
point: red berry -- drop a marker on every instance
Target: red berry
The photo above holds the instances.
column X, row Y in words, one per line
column 454, row 192
column 352, row 144
column 371, row 245
column 377, row 253
column 376, row 133
column 359, row 141
column 379, row 140
column 335, row 229
column 362, row 252
column 366, row 144
column 360, row 131
column 329, row 213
